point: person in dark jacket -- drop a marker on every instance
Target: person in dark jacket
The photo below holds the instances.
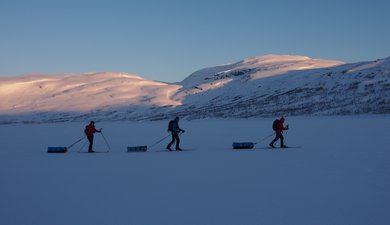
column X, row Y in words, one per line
column 279, row 133
column 89, row 131
column 174, row 128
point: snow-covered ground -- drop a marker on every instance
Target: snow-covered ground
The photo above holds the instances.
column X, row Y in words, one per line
column 340, row 175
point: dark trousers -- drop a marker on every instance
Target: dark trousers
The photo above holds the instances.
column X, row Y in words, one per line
column 175, row 137
column 90, row 139
column 277, row 137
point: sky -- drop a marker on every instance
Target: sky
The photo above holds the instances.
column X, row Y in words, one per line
column 168, row 40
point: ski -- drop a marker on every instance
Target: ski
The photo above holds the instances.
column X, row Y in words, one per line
column 279, row 147
column 183, row 150
column 95, row 152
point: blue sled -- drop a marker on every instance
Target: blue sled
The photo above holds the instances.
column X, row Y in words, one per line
column 137, row 149
column 57, row 149
column 243, row 145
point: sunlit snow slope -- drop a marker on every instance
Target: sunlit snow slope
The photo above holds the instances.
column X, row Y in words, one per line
column 268, row 85
column 291, row 85
column 81, row 92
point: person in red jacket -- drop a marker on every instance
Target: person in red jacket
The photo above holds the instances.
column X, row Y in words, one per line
column 89, row 131
column 279, row 133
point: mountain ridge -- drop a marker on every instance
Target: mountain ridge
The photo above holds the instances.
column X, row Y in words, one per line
column 260, row 86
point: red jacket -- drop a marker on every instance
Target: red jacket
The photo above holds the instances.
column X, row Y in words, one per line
column 90, row 130
column 280, row 128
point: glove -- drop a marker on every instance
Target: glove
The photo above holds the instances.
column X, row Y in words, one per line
column 287, row 127
column 183, row 131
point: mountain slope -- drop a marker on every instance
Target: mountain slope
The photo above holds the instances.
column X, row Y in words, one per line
column 241, row 78
column 81, row 93
column 258, row 67
column 269, row 85
column 289, row 85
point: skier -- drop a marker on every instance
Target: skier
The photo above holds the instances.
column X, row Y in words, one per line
column 89, row 131
column 174, row 128
column 279, row 127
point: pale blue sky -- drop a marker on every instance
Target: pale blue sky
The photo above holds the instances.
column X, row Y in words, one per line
column 168, row 40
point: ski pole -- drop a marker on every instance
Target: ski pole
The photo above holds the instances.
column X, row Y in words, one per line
column 286, row 135
column 159, row 141
column 81, row 148
column 109, row 148
column 264, row 138
column 76, row 142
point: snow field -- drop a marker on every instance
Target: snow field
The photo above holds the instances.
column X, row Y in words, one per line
column 339, row 176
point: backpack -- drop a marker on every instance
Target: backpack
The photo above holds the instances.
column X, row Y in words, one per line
column 170, row 126
column 275, row 124
column 86, row 130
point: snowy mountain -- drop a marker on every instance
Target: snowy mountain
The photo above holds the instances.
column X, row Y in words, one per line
column 268, row 85
column 272, row 85
column 71, row 96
